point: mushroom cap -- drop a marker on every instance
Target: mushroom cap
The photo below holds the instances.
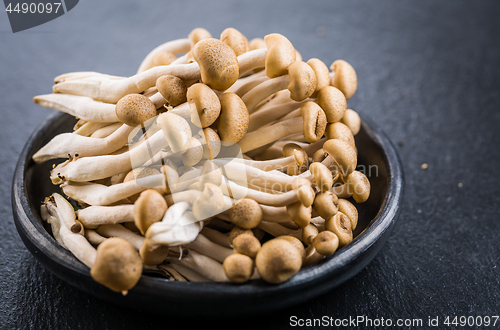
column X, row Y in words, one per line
column 302, row 81
column 246, row 244
column 299, row 213
column 301, row 158
column 326, row 243
column 304, row 190
column 204, row 105
column 278, row 260
column 322, row 74
column 163, row 58
column 238, row 267
column 326, row 204
column 236, row 40
column 308, row 233
column 176, row 130
column 235, row 232
column 349, row 210
column 333, row 102
column 340, row 131
column 135, row 109
column 198, row 34
column 193, row 153
column 322, row 176
column 172, row 88
column 246, row 214
column 218, row 63
column 343, row 153
column 314, row 121
column 296, row 243
column 211, row 143
column 210, row 202
column 234, row 118
column 312, row 256
column 257, row 43
column 117, row 265
column 359, row 185
column 351, row 119
column 341, row 226
column 280, row 54
column 319, row 155
column 149, row 208
column 345, row 78
column 152, row 256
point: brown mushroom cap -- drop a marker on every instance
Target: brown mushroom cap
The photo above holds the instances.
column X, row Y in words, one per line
column 296, row 244
column 257, row 43
column 172, row 88
column 343, row 153
column 193, row 153
column 319, row 155
column 235, row 232
column 301, row 158
column 210, row 202
column 322, row 74
column 163, row 58
column 341, row 226
column 333, row 102
column 359, row 185
column 198, row 34
column 304, row 190
column 349, row 210
column 351, row 119
column 238, row 267
column 204, row 105
column 278, row 260
column 152, row 256
column 314, row 121
column 325, row 204
column 117, row 265
column 236, row 40
column 326, row 243
column 211, row 143
column 234, row 118
column 322, row 176
column 135, row 109
column 345, row 78
column 340, row 131
column 308, row 233
column 246, row 244
column 246, row 214
column 149, row 208
column 280, row 54
column 299, row 213
column 218, row 63
column 302, row 81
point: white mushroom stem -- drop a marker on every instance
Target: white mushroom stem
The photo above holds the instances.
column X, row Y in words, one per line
column 100, row 167
column 216, row 236
column 83, row 74
column 264, row 90
column 210, row 249
column 313, row 147
column 189, row 274
column 180, row 60
column 106, row 131
column 203, row 265
column 264, row 165
column 276, row 229
column 122, row 232
column 270, row 114
column 94, row 216
column 89, row 128
column 175, row 47
column 111, row 90
column 93, row 237
column 244, row 85
column 72, row 144
column 263, row 197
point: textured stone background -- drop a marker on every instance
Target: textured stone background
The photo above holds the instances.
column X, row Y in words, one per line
column 429, row 74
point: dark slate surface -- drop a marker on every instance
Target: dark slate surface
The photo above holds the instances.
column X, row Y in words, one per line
column 429, row 74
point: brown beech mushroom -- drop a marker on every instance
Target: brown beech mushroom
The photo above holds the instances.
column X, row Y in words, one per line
column 238, row 267
column 340, row 131
column 322, row 176
column 322, row 74
column 152, row 256
column 172, row 88
column 234, row 118
column 345, row 78
column 198, row 34
column 235, row 232
column 176, row 130
column 299, row 213
column 359, row 186
column 219, row 66
column 344, row 155
column 204, row 105
column 247, row 244
column 326, row 243
column 236, row 40
column 148, row 209
column 341, row 226
column 301, row 158
column 297, row 244
column 309, row 232
column 280, row 54
column 211, row 143
column 326, row 204
column 193, row 153
column 117, row 265
column 135, row 109
column 278, row 260
column 349, row 210
column 246, row 214
column 351, row 119
column 163, row 58
column 333, row 102
column 257, row 43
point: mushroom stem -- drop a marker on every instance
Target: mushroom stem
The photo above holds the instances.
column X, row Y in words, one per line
column 272, row 113
column 205, row 266
column 275, row 229
column 122, row 232
column 175, row 47
column 94, row 216
column 213, row 250
column 264, row 90
column 216, row 236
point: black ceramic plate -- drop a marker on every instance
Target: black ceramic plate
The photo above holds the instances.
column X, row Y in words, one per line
column 376, row 220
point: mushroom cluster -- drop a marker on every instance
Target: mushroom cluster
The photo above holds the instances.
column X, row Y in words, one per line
column 219, row 160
